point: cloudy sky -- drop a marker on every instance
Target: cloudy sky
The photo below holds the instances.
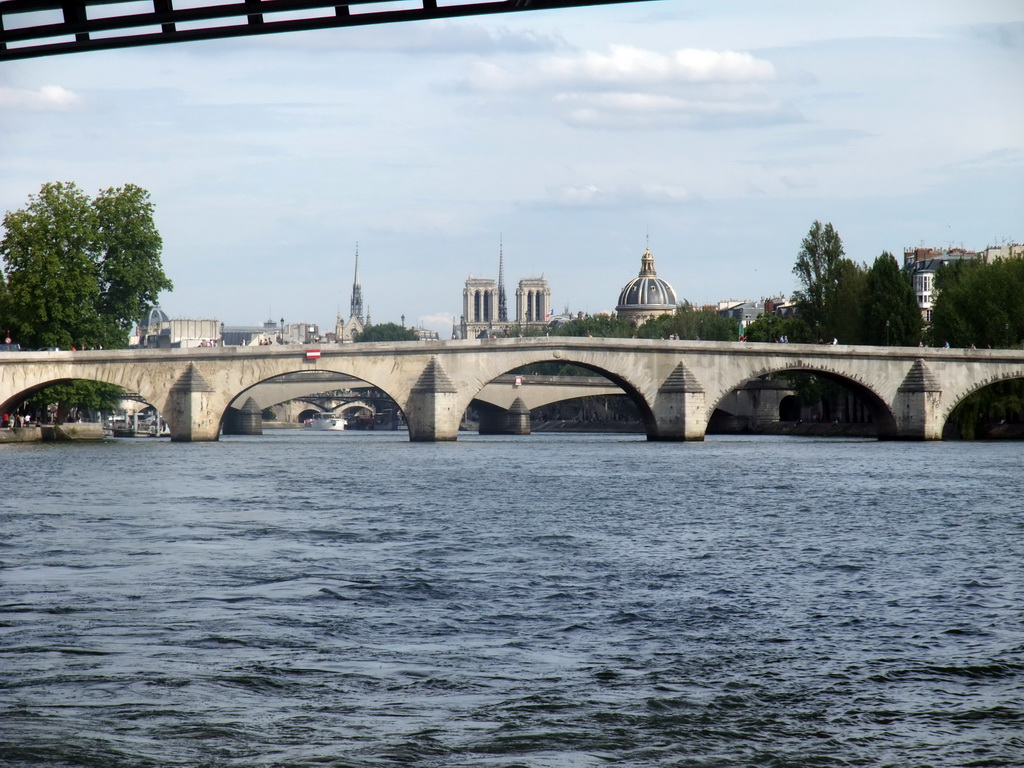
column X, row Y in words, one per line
column 717, row 131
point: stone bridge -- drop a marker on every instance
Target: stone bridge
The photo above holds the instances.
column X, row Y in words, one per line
column 676, row 385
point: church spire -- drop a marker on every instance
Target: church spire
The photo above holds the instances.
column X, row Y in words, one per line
column 502, row 303
column 356, row 308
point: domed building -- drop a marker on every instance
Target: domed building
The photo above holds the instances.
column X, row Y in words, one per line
column 646, row 295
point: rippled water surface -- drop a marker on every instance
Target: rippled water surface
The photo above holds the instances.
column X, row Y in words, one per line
column 350, row 599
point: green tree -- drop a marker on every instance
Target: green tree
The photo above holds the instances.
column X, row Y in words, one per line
column 130, row 273
column 599, row 326
column 818, row 269
column 49, row 257
column 386, row 332
column 978, row 303
column 999, row 402
column 772, row 328
column 80, row 271
column 846, row 305
column 689, row 322
column 74, row 397
column 890, row 311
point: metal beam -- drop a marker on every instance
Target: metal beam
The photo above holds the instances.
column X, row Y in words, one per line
column 32, row 28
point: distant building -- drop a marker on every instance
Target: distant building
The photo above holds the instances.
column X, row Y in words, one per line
column 424, row 334
column 743, row 312
column 485, row 309
column 1007, row 251
column 922, row 264
column 301, row 333
column 345, row 333
column 159, row 331
column 533, row 302
column 480, row 308
column 646, row 295
column 780, row 306
column 247, row 335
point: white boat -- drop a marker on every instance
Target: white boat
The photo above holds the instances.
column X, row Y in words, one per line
column 131, row 425
column 325, row 421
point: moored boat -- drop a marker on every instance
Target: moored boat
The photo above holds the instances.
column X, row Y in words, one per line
column 324, row 421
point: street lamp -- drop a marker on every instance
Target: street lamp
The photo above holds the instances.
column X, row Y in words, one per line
column 887, row 322
column 280, row 336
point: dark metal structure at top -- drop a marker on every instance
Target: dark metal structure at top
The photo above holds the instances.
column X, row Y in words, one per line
column 31, row 28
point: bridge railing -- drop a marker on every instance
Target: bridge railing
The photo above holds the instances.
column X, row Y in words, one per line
column 30, row 28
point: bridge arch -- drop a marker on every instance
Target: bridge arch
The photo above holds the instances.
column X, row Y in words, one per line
column 17, row 399
column 964, row 394
column 355, row 405
column 620, row 378
column 881, row 414
column 316, row 384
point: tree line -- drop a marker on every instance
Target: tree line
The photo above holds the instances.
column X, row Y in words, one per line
column 976, row 304
column 841, row 300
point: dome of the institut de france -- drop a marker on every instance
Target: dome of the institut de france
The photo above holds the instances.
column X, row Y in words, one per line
column 646, row 295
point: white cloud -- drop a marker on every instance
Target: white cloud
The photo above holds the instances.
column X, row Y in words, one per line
column 44, row 98
column 640, row 110
column 440, row 322
column 637, row 88
column 626, row 66
column 597, row 196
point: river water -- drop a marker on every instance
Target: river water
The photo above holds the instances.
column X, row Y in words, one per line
column 351, row 599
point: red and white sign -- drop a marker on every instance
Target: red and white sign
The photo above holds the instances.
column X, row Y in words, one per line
column 312, row 354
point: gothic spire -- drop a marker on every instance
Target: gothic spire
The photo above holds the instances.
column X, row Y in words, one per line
column 502, row 303
column 356, row 308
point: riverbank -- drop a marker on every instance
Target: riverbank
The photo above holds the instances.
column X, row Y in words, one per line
column 52, row 433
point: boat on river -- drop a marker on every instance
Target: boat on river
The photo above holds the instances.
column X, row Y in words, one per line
column 324, row 421
column 131, row 425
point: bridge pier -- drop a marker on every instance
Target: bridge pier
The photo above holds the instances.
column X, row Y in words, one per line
column 495, row 420
column 679, row 408
column 432, row 412
column 247, row 420
column 189, row 413
column 518, row 418
column 917, row 407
